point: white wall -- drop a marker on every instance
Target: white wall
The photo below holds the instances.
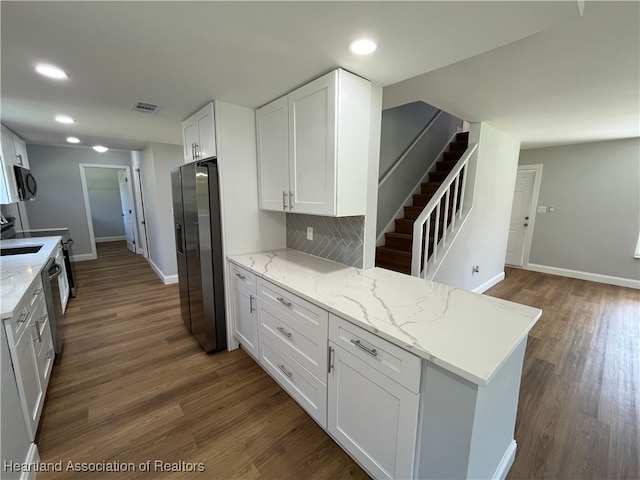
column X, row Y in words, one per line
column 595, row 188
column 60, row 202
column 156, row 162
column 103, row 189
column 482, row 240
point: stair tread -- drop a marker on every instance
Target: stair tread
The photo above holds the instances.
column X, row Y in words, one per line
column 393, row 251
column 399, row 235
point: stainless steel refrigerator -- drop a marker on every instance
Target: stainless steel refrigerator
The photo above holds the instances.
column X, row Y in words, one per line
column 196, row 213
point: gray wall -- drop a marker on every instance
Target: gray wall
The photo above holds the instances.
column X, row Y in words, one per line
column 595, row 188
column 103, row 188
column 403, row 181
column 400, row 126
column 155, row 168
column 60, row 202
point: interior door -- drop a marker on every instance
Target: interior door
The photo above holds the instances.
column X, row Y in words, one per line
column 521, row 212
column 126, row 201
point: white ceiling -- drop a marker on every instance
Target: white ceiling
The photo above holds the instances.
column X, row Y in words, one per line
column 183, row 54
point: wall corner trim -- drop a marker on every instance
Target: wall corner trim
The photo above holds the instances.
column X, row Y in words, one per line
column 166, row 279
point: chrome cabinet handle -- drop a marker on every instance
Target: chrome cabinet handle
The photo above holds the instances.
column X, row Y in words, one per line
column 330, row 359
column 284, row 200
column 285, row 371
column 290, row 200
column 197, row 152
column 284, row 332
column 39, row 339
column 19, row 158
column 23, row 317
column 371, row 351
column 251, row 309
column 240, row 276
column 37, row 292
column 284, row 302
column 193, row 151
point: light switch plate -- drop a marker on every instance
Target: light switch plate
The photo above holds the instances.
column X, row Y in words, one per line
column 542, row 210
column 309, row 233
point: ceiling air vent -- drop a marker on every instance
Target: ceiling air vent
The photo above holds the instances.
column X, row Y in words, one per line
column 145, row 107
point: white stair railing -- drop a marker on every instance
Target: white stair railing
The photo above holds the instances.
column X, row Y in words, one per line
column 433, row 210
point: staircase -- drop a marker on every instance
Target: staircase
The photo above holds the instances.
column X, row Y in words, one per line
column 395, row 254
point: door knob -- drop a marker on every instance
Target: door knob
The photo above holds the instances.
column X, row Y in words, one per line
column 526, row 224
column 526, row 218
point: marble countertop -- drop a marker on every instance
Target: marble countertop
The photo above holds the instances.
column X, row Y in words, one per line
column 466, row 333
column 17, row 272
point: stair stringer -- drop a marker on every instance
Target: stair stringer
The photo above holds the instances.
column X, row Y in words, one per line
column 390, row 227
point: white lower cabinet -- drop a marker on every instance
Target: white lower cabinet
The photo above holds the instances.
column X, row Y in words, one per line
column 370, row 413
column 243, row 297
column 31, row 349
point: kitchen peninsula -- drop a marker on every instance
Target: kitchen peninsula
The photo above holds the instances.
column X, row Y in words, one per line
column 414, row 379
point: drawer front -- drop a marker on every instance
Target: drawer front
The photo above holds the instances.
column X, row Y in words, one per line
column 394, row 362
column 307, row 316
column 304, row 387
column 19, row 320
column 34, row 291
column 242, row 276
column 303, row 340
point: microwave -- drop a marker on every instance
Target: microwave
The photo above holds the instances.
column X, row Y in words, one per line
column 26, row 183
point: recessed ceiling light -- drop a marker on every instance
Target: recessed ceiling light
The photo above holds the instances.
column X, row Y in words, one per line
column 64, row 119
column 363, row 46
column 50, row 71
column 100, row 148
column 73, row 140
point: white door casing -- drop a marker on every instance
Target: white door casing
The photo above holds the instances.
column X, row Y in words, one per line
column 126, row 200
column 523, row 210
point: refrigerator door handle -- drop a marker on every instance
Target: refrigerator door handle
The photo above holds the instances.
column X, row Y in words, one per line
column 179, row 243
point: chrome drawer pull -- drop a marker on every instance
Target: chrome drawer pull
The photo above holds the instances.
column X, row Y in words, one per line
column 284, row 332
column 23, row 317
column 284, row 302
column 285, row 371
column 330, row 359
column 240, row 276
column 371, row 351
column 251, row 307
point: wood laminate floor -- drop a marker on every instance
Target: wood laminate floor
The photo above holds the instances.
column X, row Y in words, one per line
column 133, row 386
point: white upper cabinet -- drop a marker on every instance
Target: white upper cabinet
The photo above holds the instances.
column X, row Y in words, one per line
column 14, row 152
column 322, row 170
column 272, row 124
column 198, row 135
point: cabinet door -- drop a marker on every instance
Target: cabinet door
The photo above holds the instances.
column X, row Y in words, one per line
column 63, row 281
column 312, row 146
column 189, row 139
column 28, row 378
column 20, row 149
column 206, row 142
column 245, row 322
column 44, row 353
column 8, row 187
column 371, row 416
column 272, row 127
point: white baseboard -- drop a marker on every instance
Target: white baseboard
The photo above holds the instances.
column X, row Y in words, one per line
column 507, row 460
column 166, row 279
column 84, row 256
column 110, row 239
column 592, row 277
column 33, row 458
column 489, row 283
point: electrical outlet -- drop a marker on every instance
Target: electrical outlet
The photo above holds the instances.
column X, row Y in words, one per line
column 542, row 209
column 475, row 269
column 309, row 233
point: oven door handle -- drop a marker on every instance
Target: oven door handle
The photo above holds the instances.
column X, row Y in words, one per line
column 55, row 271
